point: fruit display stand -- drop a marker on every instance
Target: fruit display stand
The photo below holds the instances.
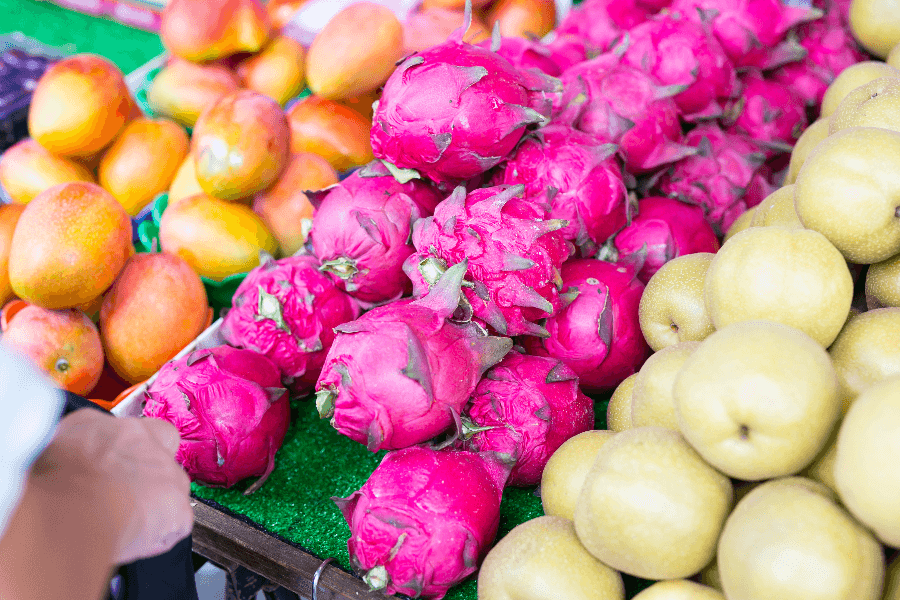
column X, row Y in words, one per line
column 289, row 532
column 286, row 530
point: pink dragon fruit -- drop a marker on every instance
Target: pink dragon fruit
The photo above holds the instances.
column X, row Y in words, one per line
column 762, row 184
column 597, row 334
column 769, row 113
column 424, row 520
column 422, row 192
column 621, row 104
column 839, row 8
column 583, row 182
column 752, row 32
column 681, row 52
column 514, row 255
column 230, row 409
column 663, row 229
column 524, row 409
column 567, row 50
column 717, row 176
column 361, row 231
column 456, row 110
column 830, row 48
column 286, row 310
column 602, row 22
column 397, row 375
column 653, row 6
column 524, row 54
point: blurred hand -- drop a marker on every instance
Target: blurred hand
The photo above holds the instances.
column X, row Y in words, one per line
column 129, row 463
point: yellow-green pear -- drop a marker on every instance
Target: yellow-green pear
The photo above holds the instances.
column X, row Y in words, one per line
column 652, row 402
column 651, row 506
column 874, row 104
column 883, row 283
column 851, row 78
column 741, row 223
column 679, row 589
column 875, row 25
column 892, row 580
column 783, row 274
column 709, row 576
column 809, row 139
column 565, row 472
column 789, row 539
column 893, row 57
column 618, row 411
column 542, row 559
column 866, row 352
column 849, row 191
column 757, row 399
column 777, row 209
column 865, row 469
column 821, row 469
column 672, row 307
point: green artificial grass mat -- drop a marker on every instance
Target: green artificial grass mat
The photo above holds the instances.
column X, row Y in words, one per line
column 74, row 32
column 314, row 463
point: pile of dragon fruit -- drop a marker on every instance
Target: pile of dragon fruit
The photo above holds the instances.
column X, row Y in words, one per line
column 459, row 295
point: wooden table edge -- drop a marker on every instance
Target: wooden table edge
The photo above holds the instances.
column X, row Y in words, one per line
column 227, row 541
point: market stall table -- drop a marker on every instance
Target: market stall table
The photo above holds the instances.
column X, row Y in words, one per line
column 289, row 526
column 232, row 542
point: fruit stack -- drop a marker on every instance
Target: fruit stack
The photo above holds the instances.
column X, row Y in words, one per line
column 91, row 163
column 91, row 313
column 86, row 126
column 540, row 218
column 240, row 189
column 534, row 221
column 240, row 60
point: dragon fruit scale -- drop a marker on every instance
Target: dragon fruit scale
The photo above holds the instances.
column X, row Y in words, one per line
column 514, row 254
column 681, row 52
column 653, row 6
column 717, row 176
column 837, row 8
column 379, row 177
column 566, row 50
column 579, row 178
column 286, row 310
column 402, row 373
column 624, row 105
column 768, row 112
column 424, row 519
column 525, row 408
column 231, row 411
column 454, row 111
column 752, row 32
column 601, row 22
column 663, row 229
column 597, row 333
column 524, row 54
column 830, row 48
column 361, row 231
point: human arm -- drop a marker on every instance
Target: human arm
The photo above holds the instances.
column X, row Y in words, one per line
column 106, row 491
